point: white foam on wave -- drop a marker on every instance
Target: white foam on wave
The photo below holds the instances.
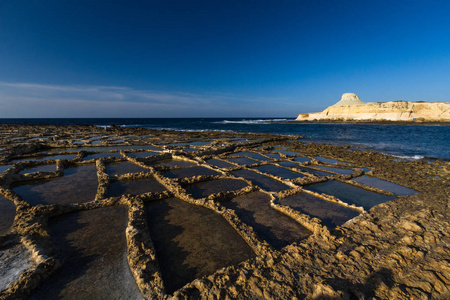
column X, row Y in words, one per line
column 410, row 157
column 259, row 121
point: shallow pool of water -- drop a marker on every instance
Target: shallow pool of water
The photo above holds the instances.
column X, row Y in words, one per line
column 92, row 247
column 316, row 172
column 124, row 168
column 250, row 155
column 101, row 155
column 143, row 154
column 350, row 194
column 47, row 168
column 192, row 241
column 135, row 187
column 219, row 163
column 204, row 189
column 262, row 181
column 273, row 155
column 171, row 163
column 76, row 186
column 276, row 228
column 302, row 159
column 54, row 157
column 385, row 185
column 286, row 152
column 190, row 172
column 331, row 214
column 4, row 168
column 336, row 170
column 243, row 161
column 288, row 164
column 277, row 171
column 7, row 213
column 326, row 160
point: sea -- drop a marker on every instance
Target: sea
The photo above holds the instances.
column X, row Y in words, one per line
column 412, row 142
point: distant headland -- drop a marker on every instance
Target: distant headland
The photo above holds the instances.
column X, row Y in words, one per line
column 351, row 108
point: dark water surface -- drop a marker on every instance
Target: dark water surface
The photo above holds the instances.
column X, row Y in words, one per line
column 192, row 241
column 92, row 247
column 276, row 228
column 78, row 185
column 8, row 211
column 350, row 194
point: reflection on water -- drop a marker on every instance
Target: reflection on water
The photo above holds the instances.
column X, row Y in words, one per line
column 277, row 171
column 261, row 180
column 219, row 163
column 136, row 187
column 47, row 168
column 242, row 161
column 204, row 189
column 123, row 168
column 331, row 214
column 385, row 185
column 76, row 186
column 92, row 247
column 190, row 172
column 102, row 155
column 276, row 228
column 7, row 213
column 350, row 194
column 191, row 241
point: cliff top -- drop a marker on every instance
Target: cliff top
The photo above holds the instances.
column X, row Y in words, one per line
column 349, row 99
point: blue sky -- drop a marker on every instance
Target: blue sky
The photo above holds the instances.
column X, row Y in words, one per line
column 217, row 58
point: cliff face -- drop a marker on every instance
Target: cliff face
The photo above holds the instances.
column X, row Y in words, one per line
column 389, row 111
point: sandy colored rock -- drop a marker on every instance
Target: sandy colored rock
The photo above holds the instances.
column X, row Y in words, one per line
column 351, row 108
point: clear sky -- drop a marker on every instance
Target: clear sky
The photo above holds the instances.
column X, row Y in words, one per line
column 211, row 58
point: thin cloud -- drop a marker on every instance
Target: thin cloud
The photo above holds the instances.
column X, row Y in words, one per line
column 17, row 99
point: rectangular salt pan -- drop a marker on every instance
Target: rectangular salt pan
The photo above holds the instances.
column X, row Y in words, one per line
column 135, row 187
column 4, row 168
column 276, row 228
column 331, row 214
column 204, row 189
column 92, row 247
column 190, row 172
column 385, row 185
column 102, row 155
column 192, row 241
column 78, row 185
column 261, row 180
column 124, row 168
column 48, row 168
column 243, row 161
column 281, row 172
column 336, row 170
column 250, row 155
column 350, row 194
column 219, row 163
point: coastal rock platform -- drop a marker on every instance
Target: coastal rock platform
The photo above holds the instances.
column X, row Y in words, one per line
column 162, row 214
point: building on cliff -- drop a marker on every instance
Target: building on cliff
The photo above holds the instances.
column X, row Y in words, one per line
column 351, row 108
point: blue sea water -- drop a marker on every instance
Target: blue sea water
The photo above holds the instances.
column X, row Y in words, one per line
column 405, row 141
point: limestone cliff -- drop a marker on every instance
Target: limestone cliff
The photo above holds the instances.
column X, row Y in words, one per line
column 350, row 107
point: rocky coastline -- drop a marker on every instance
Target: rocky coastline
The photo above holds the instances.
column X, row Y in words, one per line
column 351, row 109
column 399, row 249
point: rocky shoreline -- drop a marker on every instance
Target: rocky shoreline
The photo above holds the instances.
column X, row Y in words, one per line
column 397, row 249
column 351, row 108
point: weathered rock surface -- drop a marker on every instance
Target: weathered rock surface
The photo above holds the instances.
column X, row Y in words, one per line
column 399, row 249
column 350, row 108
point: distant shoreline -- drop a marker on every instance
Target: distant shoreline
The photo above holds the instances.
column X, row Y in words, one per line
column 366, row 122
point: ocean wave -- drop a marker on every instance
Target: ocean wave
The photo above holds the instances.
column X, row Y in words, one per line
column 410, row 157
column 259, row 121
